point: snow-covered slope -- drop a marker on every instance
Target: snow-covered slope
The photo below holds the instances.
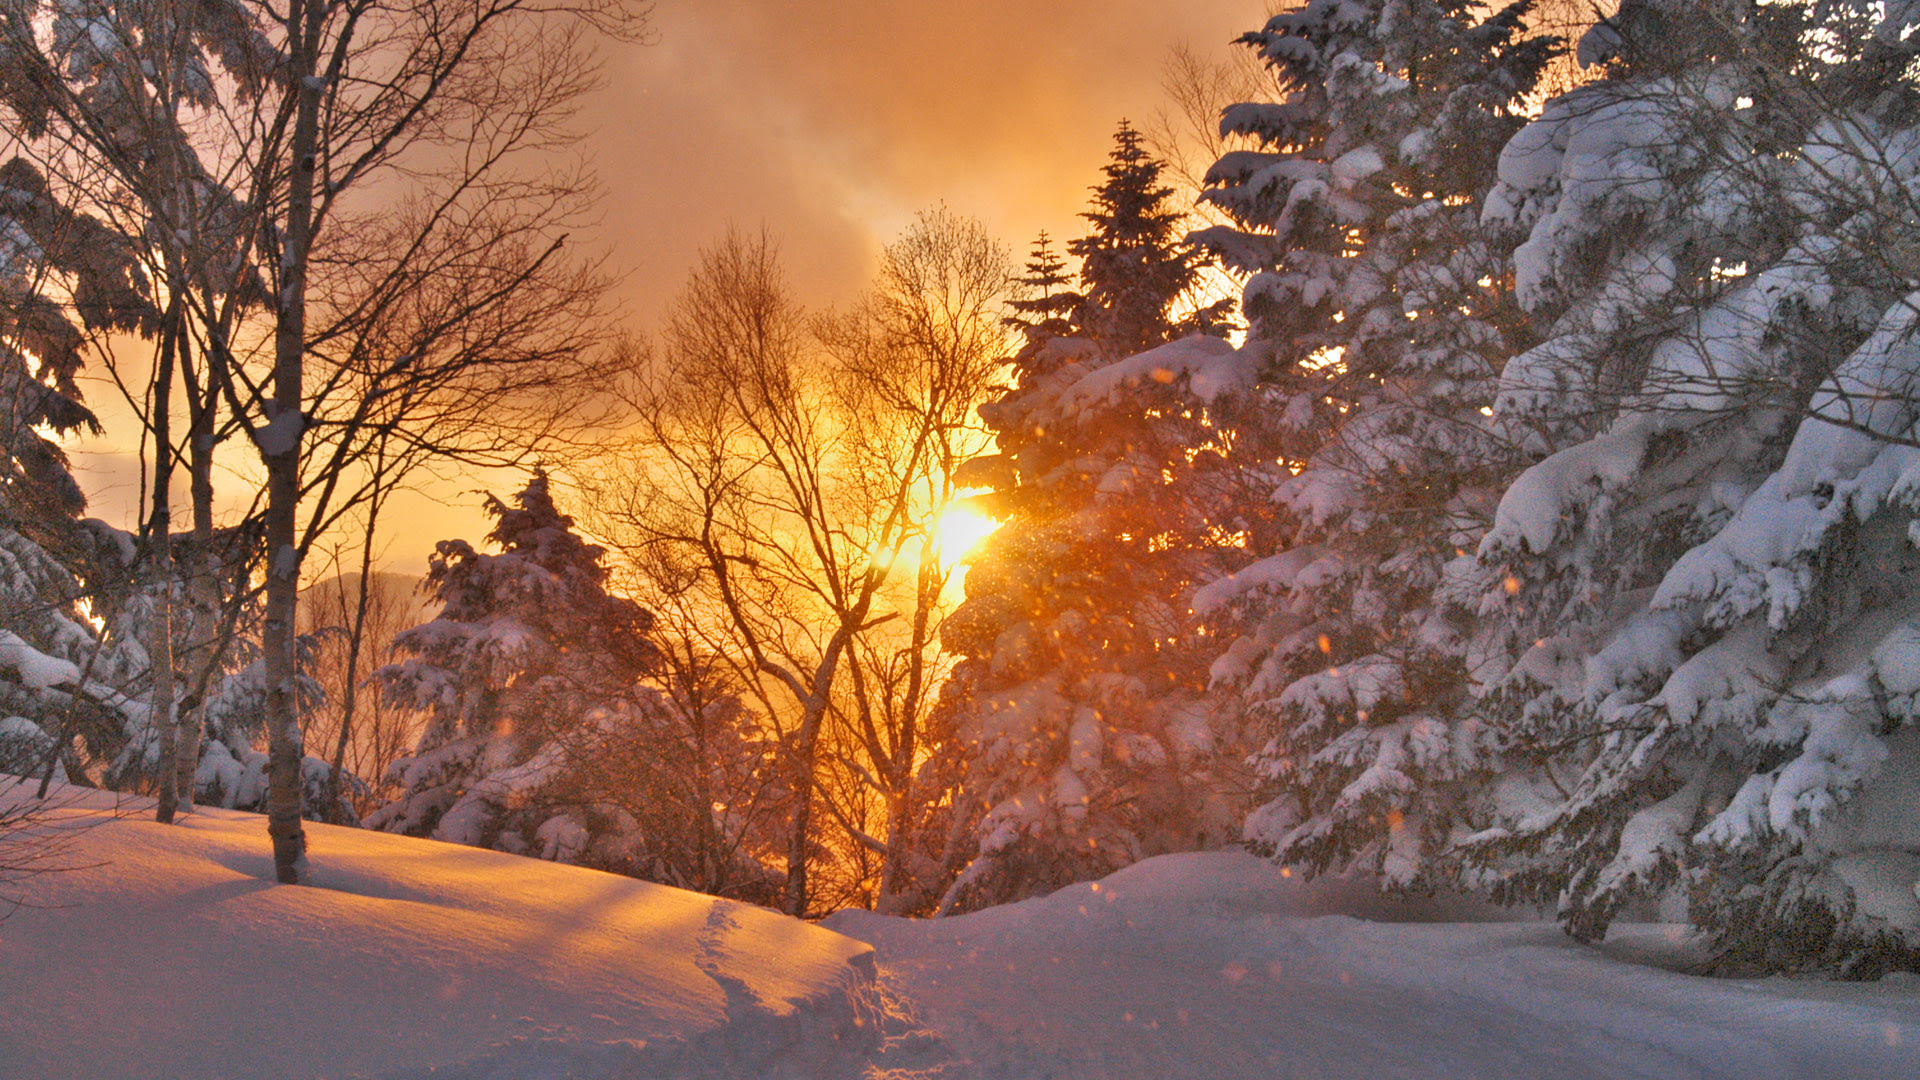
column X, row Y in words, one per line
column 1213, row 966
column 166, row 952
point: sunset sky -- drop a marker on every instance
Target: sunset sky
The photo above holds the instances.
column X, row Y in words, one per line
column 830, row 122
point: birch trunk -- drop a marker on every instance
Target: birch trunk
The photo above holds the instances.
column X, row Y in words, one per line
column 279, row 443
column 160, row 714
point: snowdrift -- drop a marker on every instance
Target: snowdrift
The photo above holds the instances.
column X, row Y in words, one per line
column 1213, row 965
column 165, row 951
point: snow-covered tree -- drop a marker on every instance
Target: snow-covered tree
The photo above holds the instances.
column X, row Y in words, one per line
column 1135, row 270
column 528, row 651
column 231, row 764
column 1705, row 581
column 1079, row 714
column 1378, row 315
column 103, row 97
column 65, row 688
column 63, row 275
column 236, row 145
column 68, row 279
column 47, row 248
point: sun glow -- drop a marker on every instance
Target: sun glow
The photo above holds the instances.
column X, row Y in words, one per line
column 960, row 530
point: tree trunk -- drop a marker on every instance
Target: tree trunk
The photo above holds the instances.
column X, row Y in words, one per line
column 160, row 713
column 350, row 690
column 896, row 880
column 203, row 598
column 804, row 742
column 279, row 443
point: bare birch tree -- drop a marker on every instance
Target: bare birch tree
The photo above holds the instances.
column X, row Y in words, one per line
column 384, row 173
column 783, row 482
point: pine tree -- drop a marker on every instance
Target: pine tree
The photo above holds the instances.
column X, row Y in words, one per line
column 43, row 247
column 527, row 643
column 545, row 735
column 1079, row 713
column 63, row 275
column 1703, row 582
column 1134, row 268
column 1043, row 307
column 230, row 767
column 1377, row 310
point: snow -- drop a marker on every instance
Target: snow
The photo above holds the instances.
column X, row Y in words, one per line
column 1212, row 965
column 1274, row 571
column 35, row 669
column 1356, row 165
column 166, row 952
column 1533, row 512
column 1212, row 366
column 280, row 434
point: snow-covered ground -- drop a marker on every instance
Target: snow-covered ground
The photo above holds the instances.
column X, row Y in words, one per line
column 164, row 952
column 1212, row 966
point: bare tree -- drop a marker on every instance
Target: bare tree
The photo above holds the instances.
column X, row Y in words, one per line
column 1184, row 131
column 917, row 355
column 373, row 269
column 782, row 487
column 355, row 614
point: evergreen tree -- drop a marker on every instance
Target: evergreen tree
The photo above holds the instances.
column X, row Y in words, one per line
column 1079, row 715
column 230, row 767
column 1378, row 314
column 45, row 247
column 545, row 736
column 1134, row 268
column 63, row 275
column 1703, row 579
column 528, row 645
column 1043, row 307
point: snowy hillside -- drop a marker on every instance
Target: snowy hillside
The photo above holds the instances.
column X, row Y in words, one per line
column 168, row 953
column 1213, row 966
column 165, row 953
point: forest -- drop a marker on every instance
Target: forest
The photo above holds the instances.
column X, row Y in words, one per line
column 1472, row 448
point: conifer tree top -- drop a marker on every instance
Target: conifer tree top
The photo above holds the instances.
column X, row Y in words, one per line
column 1130, row 210
column 1133, row 266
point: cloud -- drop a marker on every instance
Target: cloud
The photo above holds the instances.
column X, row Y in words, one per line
column 833, row 121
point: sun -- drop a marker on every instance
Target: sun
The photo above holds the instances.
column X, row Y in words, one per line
column 959, row 530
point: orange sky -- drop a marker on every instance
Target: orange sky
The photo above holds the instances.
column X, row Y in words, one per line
column 831, row 122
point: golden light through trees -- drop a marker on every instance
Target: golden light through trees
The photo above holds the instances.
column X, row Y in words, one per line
column 960, row 529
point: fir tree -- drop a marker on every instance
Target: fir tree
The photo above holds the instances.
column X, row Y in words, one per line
column 545, row 735
column 527, row 645
column 63, row 275
column 230, row 767
column 1080, row 712
column 1134, row 268
column 1043, row 307
column 1376, row 309
column 1703, row 589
